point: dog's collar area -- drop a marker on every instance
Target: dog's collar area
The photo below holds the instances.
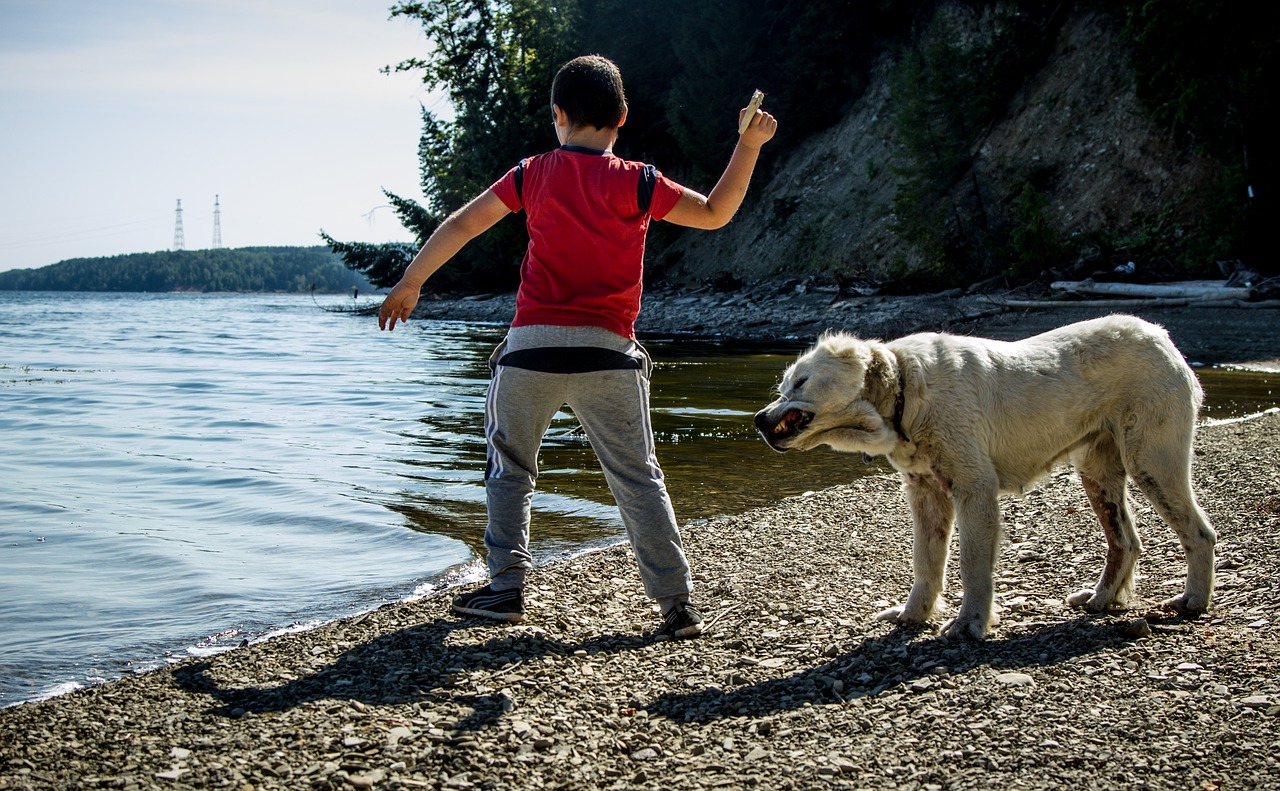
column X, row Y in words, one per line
column 899, row 403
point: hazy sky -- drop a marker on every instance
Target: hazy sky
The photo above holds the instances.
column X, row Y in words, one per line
column 112, row 110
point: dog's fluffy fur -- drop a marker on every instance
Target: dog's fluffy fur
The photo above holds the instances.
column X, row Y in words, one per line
column 964, row 419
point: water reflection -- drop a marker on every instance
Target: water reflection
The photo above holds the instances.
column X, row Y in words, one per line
column 704, row 393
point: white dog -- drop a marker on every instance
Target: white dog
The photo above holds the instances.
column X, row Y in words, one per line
column 965, row 419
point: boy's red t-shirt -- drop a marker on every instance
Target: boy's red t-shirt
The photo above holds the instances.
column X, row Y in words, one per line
column 585, row 259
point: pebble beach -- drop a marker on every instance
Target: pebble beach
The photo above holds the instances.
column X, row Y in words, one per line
column 793, row 685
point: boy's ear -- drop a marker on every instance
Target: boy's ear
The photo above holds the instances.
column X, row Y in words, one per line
column 559, row 115
column 623, row 119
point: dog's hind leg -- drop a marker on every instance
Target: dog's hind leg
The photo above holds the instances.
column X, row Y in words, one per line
column 932, row 513
column 1161, row 466
column 1102, row 471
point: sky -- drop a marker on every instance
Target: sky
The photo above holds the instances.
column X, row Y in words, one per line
column 111, row 111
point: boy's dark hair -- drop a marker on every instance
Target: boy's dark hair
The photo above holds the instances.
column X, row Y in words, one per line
column 589, row 90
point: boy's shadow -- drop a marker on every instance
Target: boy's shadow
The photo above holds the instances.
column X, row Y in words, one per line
column 413, row 664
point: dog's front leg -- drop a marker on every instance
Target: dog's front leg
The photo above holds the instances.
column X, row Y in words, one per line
column 932, row 513
column 978, row 520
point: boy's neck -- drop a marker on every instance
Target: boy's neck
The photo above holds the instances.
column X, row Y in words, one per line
column 593, row 138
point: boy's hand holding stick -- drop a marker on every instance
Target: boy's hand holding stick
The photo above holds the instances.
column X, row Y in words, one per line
column 748, row 114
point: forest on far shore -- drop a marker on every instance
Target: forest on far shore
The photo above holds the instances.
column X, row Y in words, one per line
column 245, row 269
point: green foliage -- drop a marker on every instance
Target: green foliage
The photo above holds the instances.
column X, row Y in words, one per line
column 1208, row 70
column 246, row 269
column 1036, row 244
column 382, row 264
column 495, row 59
column 949, row 88
column 1171, row 248
column 687, row 66
column 811, row 59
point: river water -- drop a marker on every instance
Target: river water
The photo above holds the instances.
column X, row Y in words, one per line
column 180, row 473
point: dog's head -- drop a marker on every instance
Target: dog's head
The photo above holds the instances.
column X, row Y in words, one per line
column 835, row 394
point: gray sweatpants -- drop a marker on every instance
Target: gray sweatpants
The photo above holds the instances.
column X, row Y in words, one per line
column 613, row 408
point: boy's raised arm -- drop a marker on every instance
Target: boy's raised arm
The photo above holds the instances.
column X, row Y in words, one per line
column 478, row 216
column 715, row 210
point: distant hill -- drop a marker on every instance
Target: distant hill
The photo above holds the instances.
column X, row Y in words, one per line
column 244, row 269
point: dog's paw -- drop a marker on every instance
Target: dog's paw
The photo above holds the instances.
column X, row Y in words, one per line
column 1186, row 604
column 1081, row 599
column 901, row 616
column 973, row 626
column 1089, row 601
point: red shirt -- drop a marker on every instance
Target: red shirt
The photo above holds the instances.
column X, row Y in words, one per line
column 587, row 223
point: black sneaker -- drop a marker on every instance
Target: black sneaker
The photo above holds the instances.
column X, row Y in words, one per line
column 505, row 605
column 683, row 620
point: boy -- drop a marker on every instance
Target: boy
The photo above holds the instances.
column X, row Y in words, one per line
column 573, row 336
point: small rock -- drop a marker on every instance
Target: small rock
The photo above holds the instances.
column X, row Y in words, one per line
column 397, row 735
column 1016, row 680
column 368, row 779
column 1138, row 628
column 1256, row 702
column 844, row 765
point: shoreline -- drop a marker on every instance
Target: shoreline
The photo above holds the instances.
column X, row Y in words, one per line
column 1208, row 334
column 794, row 684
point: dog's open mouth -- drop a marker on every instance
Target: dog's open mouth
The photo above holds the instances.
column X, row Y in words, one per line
column 791, row 423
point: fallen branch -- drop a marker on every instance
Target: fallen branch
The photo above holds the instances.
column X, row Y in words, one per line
column 1022, row 304
column 1195, row 289
column 1087, row 303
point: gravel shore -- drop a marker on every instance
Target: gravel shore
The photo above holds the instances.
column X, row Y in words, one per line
column 793, row 685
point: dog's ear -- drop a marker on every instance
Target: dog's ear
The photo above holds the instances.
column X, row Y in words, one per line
column 880, row 385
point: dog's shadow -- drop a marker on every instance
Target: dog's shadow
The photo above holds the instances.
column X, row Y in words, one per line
column 906, row 659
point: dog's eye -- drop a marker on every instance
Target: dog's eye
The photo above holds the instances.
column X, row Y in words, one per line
column 799, row 383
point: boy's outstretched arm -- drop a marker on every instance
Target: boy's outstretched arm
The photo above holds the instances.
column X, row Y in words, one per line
column 715, row 210
column 448, row 238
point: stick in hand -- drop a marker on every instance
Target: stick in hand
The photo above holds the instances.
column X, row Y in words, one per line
column 753, row 107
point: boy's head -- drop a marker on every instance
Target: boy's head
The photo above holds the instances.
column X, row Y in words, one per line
column 589, row 90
